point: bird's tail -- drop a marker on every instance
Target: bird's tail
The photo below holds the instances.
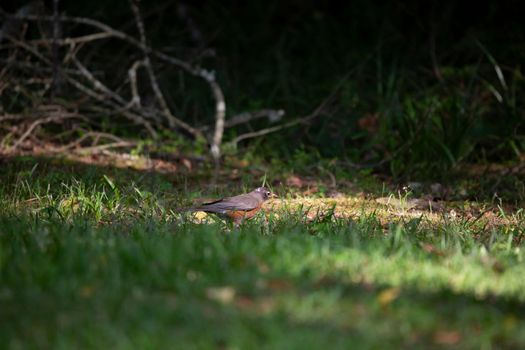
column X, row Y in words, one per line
column 189, row 210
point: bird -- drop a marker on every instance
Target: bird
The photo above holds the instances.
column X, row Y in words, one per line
column 237, row 208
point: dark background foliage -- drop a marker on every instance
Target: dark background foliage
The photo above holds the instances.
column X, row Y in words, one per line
column 422, row 92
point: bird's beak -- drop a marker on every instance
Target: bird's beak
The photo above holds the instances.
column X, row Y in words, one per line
column 273, row 195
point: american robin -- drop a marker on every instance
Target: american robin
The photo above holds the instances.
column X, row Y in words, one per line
column 237, row 208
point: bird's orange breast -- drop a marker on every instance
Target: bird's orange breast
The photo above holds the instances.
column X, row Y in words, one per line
column 237, row 215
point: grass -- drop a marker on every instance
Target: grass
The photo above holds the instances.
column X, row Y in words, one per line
column 97, row 258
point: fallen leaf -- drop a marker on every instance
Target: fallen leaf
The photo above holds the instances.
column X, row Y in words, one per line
column 447, row 337
column 224, row 295
column 387, row 296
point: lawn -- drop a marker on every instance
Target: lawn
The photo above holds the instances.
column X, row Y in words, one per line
column 98, row 257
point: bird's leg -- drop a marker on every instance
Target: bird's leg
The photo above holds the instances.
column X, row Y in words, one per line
column 237, row 223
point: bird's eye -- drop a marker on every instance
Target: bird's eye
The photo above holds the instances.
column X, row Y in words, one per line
column 268, row 193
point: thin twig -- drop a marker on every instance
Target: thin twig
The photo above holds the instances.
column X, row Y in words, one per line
column 97, row 83
column 262, row 132
column 53, row 118
column 34, row 68
column 91, row 134
column 273, row 116
column 30, row 49
column 119, row 144
column 73, row 40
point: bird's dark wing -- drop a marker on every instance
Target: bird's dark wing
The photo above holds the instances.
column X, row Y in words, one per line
column 241, row 202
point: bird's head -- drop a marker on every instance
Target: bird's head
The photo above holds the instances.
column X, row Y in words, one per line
column 264, row 193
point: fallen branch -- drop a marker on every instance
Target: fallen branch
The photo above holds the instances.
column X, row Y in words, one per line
column 32, row 127
column 94, row 149
column 7, row 117
column 209, row 77
column 96, row 137
column 262, row 132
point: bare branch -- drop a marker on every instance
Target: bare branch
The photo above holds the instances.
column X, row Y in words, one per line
column 130, row 115
column 124, row 106
column 53, row 118
column 6, row 117
column 30, row 49
column 262, row 132
column 173, row 121
column 132, row 74
column 209, row 77
column 96, row 83
column 273, row 116
column 119, row 144
column 220, row 113
column 91, row 134
column 74, row 40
